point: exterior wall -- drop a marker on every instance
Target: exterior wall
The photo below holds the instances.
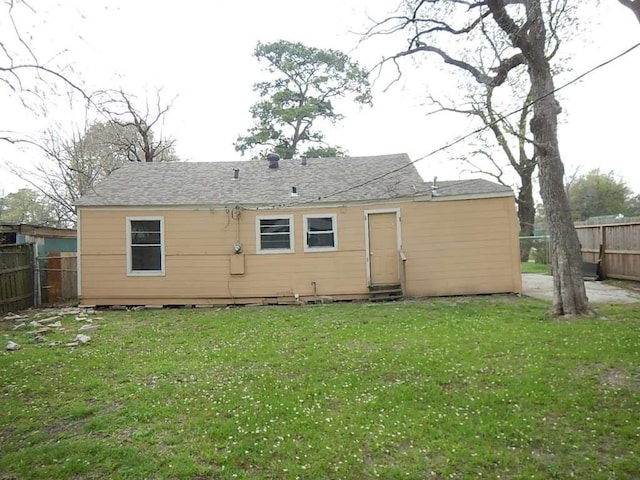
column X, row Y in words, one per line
column 461, row 247
column 455, row 247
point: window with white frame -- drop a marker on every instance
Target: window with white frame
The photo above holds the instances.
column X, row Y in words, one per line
column 274, row 234
column 320, row 233
column 145, row 246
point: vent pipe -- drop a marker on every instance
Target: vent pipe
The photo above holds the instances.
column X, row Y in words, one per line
column 236, row 173
column 434, row 187
column 294, row 192
column 303, row 160
column 274, row 160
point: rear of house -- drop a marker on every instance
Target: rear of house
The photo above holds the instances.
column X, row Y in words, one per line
column 241, row 232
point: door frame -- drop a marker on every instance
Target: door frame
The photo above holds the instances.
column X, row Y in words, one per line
column 366, row 239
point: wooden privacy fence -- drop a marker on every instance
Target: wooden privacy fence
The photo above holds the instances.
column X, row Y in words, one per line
column 616, row 246
column 16, row 277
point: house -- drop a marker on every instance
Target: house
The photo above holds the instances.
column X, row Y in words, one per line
column 289, row 231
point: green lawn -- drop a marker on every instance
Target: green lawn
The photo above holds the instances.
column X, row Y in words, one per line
column 484, row 387
column 530, row 267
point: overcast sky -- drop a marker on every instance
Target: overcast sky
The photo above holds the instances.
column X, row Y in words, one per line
column 201, row 54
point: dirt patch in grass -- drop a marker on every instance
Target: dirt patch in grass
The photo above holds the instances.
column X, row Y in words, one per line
column 619, row 378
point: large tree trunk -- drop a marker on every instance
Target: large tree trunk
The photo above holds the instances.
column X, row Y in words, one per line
column 569, row 296
column 526, row 214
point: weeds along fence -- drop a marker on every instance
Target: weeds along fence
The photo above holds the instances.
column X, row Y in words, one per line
column 615, row 245
column 17, row 279
column 28, row 280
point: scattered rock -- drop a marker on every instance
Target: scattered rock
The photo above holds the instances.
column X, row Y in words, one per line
column 35, row 324
column 39, row 339
column 12, row 346
column 69, row 311
column 13, row 316
column 42, row 330
column 50, row 319
column 57, row 324
column 85, row 328
column 82, row 339
column 19, row 326
column 72, row 344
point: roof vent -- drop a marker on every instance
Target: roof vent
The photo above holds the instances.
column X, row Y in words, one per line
column 303, row 160
column 434, row 187
column 273, row 159
column 236, row 173
column 294, row 192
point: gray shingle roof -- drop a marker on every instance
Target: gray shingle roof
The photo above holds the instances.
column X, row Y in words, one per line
column 321, row 180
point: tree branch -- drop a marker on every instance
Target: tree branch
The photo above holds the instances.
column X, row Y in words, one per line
column 633, row 5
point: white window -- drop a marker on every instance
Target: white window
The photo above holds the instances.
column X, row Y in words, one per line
column 145, row 246
column 320, row 232
column 274, row 234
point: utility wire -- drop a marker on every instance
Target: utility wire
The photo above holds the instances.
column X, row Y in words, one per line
column 474, row 132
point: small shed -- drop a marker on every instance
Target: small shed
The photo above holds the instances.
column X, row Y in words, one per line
column 291, row 231
column 48, row 239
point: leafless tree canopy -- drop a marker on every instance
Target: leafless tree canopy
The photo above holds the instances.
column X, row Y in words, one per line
column 148, row 144
column 22, row 75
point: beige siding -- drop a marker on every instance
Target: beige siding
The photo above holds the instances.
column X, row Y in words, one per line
column 453, row 247
column 461, row 247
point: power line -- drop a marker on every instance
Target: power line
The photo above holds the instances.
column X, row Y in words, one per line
column 474, row 132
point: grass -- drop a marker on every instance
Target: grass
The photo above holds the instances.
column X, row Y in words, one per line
column 530, row 267
column 485, row 387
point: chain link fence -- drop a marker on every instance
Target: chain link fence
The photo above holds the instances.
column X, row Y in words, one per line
column 536, row 250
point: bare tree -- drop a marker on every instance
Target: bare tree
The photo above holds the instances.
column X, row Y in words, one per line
column 148, row 144
column 529, row 32
column 514, row 151
column 23, row 76
column 73, row 164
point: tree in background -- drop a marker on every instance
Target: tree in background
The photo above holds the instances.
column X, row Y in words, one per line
column 30, row 207
column 305, row 83
column 141, row 137
column 24, row 79
column 71, row 163
column 597, row 194
column 632, row 206
column 74, row 164
column 515, row 150
column 527, row 30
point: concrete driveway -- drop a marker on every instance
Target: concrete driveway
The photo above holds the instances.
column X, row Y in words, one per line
column 541, row 286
